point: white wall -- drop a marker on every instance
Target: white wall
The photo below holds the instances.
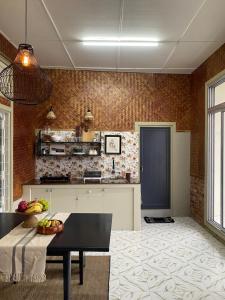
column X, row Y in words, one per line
column 181, row 183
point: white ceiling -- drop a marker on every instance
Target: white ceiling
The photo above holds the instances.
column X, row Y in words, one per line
column 188, row 32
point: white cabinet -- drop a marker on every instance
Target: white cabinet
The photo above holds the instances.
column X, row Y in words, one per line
column 123, row 201
column 89, row 200
column 36, row 192
column 62, row 200
column 120, row 203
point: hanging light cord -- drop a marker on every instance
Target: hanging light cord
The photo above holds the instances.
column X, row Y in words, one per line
column 25, row 21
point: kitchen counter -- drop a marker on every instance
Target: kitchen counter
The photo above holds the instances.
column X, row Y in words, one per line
column 80, row 181
column 116, row 196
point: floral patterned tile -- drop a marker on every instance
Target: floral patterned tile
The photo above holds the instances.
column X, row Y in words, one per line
column 127, row 162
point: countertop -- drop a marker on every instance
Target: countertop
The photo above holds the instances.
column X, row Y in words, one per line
column 80, row 181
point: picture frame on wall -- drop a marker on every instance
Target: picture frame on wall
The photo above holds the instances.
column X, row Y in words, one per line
column 113, row 144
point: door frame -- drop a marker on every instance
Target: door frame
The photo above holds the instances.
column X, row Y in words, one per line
column 9, row 109
column 172, row 126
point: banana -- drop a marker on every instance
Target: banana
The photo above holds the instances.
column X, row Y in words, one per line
column 32, row 204
column 30, row 210
column 48, row 224
column 39, row 204
column 33, row 209
column 38, row 209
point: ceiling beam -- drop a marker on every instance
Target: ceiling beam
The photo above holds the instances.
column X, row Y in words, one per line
column 183, row 33
column 122, row 4
column 58, row 34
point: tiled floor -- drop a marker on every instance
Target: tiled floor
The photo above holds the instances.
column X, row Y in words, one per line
column 167, row 261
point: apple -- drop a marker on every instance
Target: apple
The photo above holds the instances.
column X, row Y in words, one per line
column 22, row 206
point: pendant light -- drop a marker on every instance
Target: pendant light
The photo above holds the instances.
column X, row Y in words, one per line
column 23, row 81
column 51, row 115
column 88, row 116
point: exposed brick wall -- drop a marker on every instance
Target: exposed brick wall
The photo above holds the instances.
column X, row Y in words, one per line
column 8, row 51
column 6, row 48
column 23, row 151
column 117, row 100
column 197, row 198
column 24, row 159
column 212, row 66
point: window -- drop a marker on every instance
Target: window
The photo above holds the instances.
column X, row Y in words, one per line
column 5, row 155
column 216, row 154
column 5, row 178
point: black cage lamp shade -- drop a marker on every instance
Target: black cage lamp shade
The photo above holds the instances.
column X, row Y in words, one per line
column 23, row 81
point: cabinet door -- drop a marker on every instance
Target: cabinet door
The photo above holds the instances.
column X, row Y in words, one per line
column 37, row 193
column 119, row 202
column 62, row 200
column 89, row 200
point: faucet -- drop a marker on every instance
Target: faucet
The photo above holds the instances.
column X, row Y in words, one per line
column 113, row 166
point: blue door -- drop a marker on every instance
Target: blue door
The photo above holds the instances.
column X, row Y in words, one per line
column 155, row 167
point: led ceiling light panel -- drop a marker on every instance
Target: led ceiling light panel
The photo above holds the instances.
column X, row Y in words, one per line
column 123, row 43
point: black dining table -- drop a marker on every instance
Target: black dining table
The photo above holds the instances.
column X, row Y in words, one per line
column 82, row 232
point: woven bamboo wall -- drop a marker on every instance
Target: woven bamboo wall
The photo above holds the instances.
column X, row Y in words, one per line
column 212, row 66
column 7, row 50
column 117, row 100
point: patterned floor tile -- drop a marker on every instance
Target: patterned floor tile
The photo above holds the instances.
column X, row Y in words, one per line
column 179, row 261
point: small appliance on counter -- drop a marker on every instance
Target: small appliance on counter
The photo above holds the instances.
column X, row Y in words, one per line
column 55, row 179
column 93, row 152
column 78, row 151
column 92, row 176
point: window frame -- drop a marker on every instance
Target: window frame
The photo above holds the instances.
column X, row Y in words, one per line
column 210, row 110
column 9, row 110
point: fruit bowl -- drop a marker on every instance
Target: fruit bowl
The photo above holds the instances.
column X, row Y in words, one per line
column 31, row 221
column 30, row 209
column 51, row 229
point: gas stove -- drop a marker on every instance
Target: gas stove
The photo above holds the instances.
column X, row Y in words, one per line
column 55, row 179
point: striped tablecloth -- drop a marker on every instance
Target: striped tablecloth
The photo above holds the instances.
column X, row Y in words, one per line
column 23, row 252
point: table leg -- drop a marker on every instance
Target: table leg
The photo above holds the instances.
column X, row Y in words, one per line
column 81, row 266
column 67, row 275
column 84, row 259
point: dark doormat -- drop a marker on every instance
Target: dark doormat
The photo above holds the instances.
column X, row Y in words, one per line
column 159, row 220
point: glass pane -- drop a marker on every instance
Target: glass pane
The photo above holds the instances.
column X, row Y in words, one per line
column 217, row 168
column 1, row 161
column 223, row 179
column 4, row 161
column 220, row 94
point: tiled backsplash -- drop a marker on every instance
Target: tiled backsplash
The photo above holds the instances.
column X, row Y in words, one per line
column 128, row 161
